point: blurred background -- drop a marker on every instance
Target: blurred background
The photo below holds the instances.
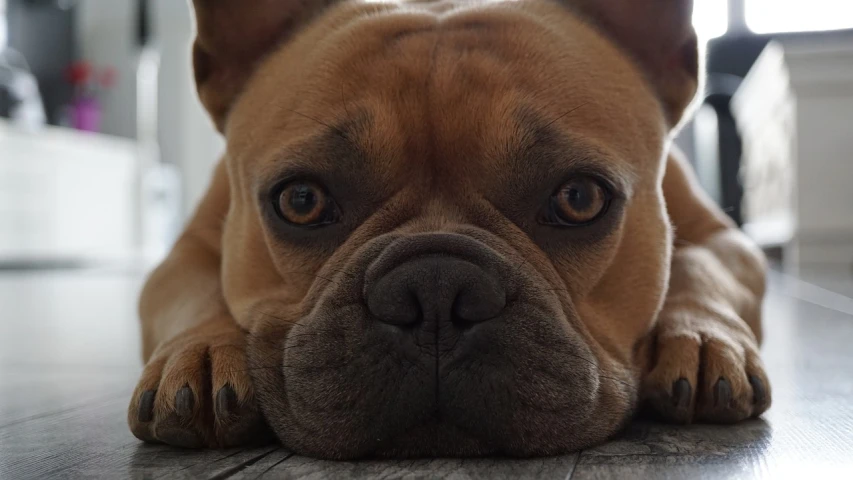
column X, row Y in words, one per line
column 104, row 148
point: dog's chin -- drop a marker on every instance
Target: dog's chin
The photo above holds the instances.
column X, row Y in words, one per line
column 435, row 438
column 430, row 438
column 341, row 396
column 438, row 436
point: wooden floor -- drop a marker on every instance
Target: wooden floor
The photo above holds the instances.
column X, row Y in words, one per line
column 69, row 359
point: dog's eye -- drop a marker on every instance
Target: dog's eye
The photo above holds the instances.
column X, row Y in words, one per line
column 580, row 201
column 305, row 204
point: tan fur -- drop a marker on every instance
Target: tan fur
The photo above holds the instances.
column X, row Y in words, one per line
column 669, row 291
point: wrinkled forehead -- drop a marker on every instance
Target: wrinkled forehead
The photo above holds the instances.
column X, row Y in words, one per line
column 471, row 90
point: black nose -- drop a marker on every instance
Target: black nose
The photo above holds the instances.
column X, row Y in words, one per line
column 436, row 288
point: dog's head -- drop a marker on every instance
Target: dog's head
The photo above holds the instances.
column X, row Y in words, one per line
column 447, row 234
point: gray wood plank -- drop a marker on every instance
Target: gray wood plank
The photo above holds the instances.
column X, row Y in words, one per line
column 46, row 445
column 485, row 468
column 835, row 293
column 28, row 393
column 261, row 466
column 69, row 318
column 160, row 461
column 63, row 401
column 651, row 450
column 834, row 278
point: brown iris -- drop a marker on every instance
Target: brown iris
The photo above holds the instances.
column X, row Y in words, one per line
column 579, row 201
column 305, row 204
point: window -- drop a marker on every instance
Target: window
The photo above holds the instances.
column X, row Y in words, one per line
column 774, row 16
column 710, row 18
column 2, row 25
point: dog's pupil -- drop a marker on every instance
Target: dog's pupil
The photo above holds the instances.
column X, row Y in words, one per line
column 303, row 200
column 577, row 197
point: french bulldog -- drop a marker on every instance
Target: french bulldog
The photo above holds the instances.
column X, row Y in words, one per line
column 448, row 228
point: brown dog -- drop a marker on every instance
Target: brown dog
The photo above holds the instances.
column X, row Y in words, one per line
column 448, row 229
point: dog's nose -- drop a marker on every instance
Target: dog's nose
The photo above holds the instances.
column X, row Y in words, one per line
column 436, row 288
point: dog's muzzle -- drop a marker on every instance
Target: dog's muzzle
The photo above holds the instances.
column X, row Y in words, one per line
column 430, row 344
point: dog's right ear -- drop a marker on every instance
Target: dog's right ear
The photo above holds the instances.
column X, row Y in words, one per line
column 659, row 36
column 234, row 36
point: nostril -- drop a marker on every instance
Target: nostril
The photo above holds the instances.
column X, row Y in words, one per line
column 478, row 303
column 400, row 312
column 463, row 316
column 435, row 289
column 391, row 304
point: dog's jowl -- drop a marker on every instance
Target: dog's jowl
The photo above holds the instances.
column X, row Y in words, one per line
column 447, row 229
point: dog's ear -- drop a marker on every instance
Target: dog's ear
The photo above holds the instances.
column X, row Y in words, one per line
column 233, row 36
column 659, row 35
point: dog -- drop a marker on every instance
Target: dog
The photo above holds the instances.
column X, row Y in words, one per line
column 448, row 228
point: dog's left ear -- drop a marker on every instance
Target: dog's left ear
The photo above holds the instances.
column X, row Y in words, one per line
column 234, row 36
column 659, row 35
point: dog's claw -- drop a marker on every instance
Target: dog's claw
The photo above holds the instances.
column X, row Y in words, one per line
column 759, row 394
column 681, row 393
column 184, row 402
column 146, row 406
column 226, row 401
column 722, row 393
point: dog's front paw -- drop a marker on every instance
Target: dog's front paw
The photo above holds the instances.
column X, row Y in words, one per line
column 196, row 392
column 706, row 366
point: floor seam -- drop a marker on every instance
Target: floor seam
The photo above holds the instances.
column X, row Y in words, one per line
column 571, row 473
column 60, row 412
column 238, row 468
column 791, row 286
column 274, row 465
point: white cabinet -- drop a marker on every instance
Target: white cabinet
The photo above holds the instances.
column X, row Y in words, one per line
column 67, row 196
column 795, row 114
